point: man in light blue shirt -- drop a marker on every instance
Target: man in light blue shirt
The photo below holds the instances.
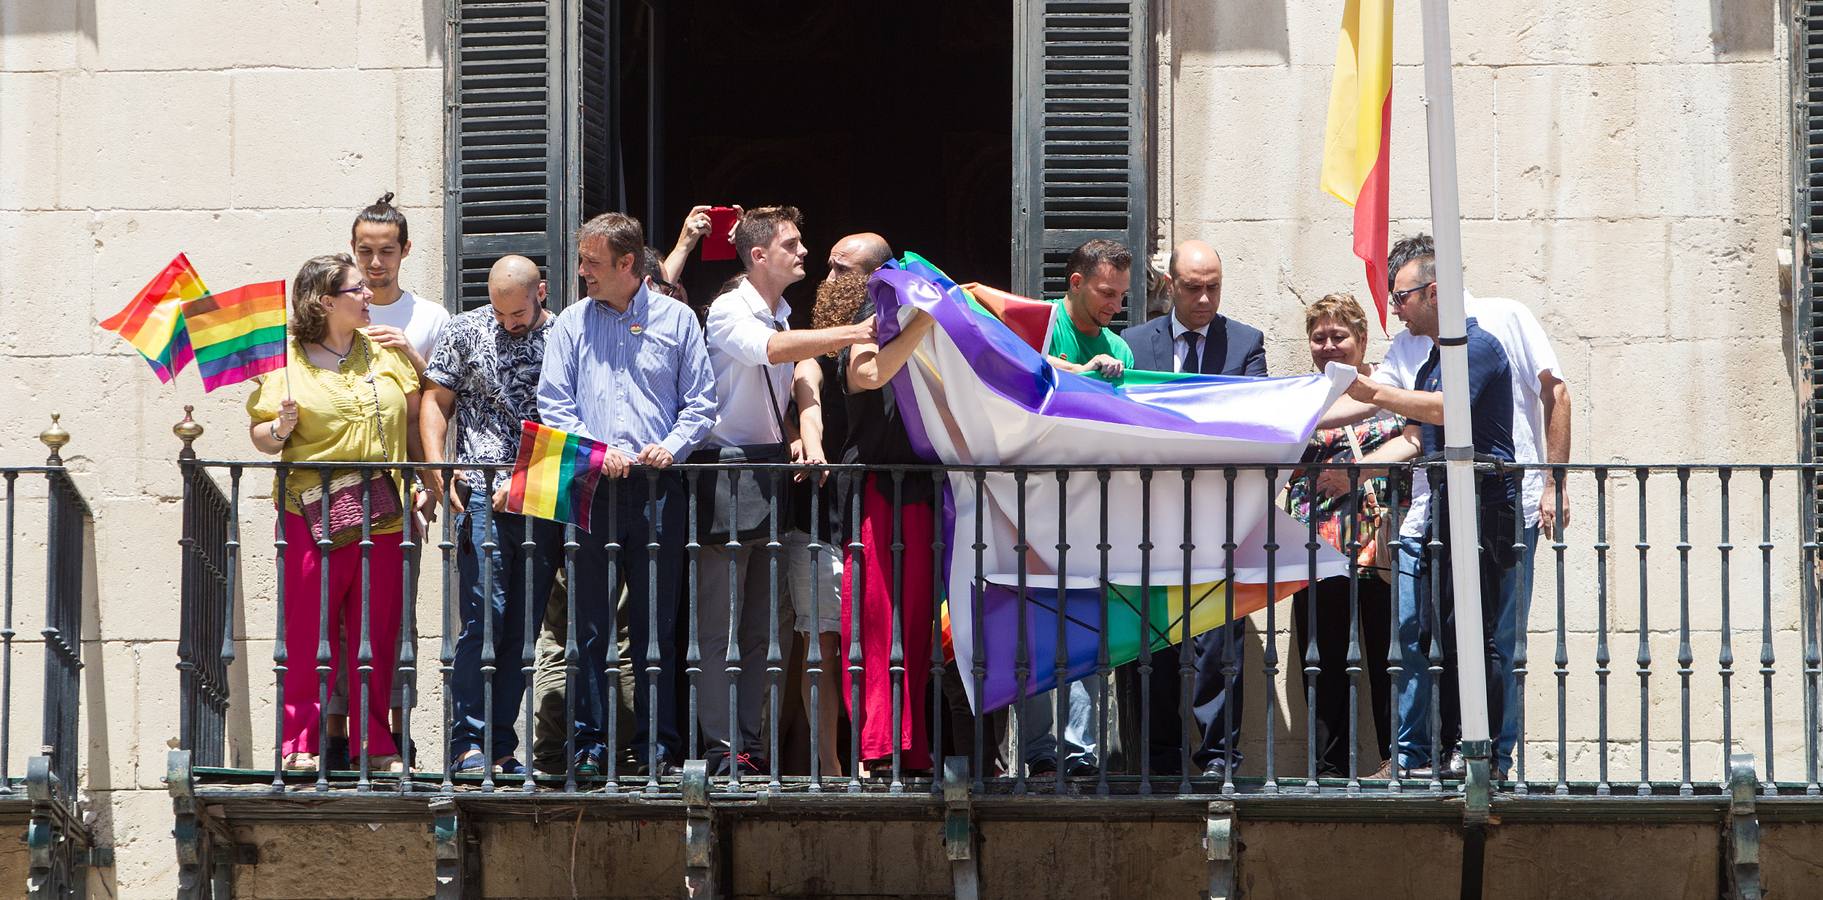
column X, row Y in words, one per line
column 628, row 367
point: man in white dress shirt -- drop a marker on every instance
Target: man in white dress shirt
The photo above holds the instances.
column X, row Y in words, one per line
column 753, row 352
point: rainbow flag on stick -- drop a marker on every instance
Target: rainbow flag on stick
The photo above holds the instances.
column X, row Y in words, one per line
column 1356, row 140
column 153, row 321
column 238, row 334
column 555, row 475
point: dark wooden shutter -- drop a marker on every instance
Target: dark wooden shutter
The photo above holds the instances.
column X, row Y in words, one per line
column 528, row 83
column 1807, row 224
column 1081, row 163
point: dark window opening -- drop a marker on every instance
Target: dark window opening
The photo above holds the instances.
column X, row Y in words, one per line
column 867, row 117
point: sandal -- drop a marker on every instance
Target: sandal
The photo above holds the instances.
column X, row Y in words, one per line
column 300, row 762
column 391, row 762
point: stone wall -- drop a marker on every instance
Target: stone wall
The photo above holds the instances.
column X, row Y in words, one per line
column 246, row 135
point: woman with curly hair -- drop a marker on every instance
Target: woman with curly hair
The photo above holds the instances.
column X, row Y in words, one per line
column 341, row 398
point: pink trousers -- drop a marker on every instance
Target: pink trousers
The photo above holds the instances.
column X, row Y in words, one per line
column 305, row 567
column 875, row 718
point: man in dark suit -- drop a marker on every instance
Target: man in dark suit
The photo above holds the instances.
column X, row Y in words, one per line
column 1196, row 337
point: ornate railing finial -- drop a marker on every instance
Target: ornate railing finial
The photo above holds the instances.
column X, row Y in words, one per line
column 54, row 437
column 188, row 431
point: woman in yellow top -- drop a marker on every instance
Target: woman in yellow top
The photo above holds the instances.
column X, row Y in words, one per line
column 342, row 398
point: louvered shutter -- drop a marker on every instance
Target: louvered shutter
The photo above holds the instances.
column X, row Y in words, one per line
column 1807, row 216
column 529, row 84
column 1081, row 166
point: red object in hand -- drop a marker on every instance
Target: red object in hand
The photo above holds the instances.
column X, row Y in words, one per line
column 718, row 244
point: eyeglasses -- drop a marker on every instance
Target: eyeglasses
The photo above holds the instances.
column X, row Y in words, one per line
column 1397, row 299
column 360, row 287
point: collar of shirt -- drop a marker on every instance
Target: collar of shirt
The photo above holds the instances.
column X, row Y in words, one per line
column 761, row 309
column 635, row 309
column 1178, row 330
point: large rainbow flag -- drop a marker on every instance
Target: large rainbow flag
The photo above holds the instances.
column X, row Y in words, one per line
column 555, row 475
column 237, row 334
column 977, row 393
column 153, row 320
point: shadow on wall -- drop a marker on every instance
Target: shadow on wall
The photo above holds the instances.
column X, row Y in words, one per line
column 433, row 29
column 97, row 761
column 1741, row 27
column 1253, row 29
column 47, row 18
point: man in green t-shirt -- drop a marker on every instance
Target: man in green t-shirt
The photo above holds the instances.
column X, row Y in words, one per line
column 1098, row 275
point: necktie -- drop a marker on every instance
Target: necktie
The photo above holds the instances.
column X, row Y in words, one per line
column 1192, row 362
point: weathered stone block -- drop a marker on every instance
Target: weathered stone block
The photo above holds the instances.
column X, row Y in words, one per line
column 40, row 36
column 609, row 859
column 350, row 160
column 113, row 156
column 1571, row 145
column 196, row 34
column 295, row 858
column 28, row 141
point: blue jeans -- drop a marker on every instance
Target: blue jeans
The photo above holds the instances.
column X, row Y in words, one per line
column 512, row 642
column 1515, row 605
column 1414, row 687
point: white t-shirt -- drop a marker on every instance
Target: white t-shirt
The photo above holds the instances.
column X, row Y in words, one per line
column 739, row 328
column 422, row 320
column 1529, row 355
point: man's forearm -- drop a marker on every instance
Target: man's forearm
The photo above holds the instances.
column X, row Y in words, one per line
column 793, row 346
column 1423, row 406
column 1557, row 424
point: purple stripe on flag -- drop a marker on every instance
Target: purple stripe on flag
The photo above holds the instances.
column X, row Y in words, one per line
column 1014, row 371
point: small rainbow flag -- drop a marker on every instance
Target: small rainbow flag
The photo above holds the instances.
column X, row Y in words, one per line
column 555, row 475
column 238, row 334
column 153, row 320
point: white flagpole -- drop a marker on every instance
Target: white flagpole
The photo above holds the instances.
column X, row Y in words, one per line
column 1459, row 448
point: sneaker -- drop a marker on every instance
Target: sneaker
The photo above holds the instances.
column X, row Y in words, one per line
column 750, row 764
column 1384, row 773
column 588, row 763
column 509, row 765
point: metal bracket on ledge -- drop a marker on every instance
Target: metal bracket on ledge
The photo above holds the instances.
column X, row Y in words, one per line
column 1218, row 840
column 458, row 875
column 701, row 865
column 201, row 871
column 959, row 829
column 1743, row 830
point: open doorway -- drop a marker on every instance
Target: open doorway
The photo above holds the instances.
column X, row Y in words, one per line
column 866, row 116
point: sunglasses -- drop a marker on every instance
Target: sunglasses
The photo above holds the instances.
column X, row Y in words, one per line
column 1398, row 298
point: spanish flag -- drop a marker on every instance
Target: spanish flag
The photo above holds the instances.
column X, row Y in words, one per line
column 1360, row 124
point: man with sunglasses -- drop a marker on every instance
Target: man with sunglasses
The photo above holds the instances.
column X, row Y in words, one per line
column 1540, row 432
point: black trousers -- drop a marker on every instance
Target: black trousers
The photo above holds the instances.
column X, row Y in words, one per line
column 1215, row 701
column 1327, row 621
column 611, row 555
